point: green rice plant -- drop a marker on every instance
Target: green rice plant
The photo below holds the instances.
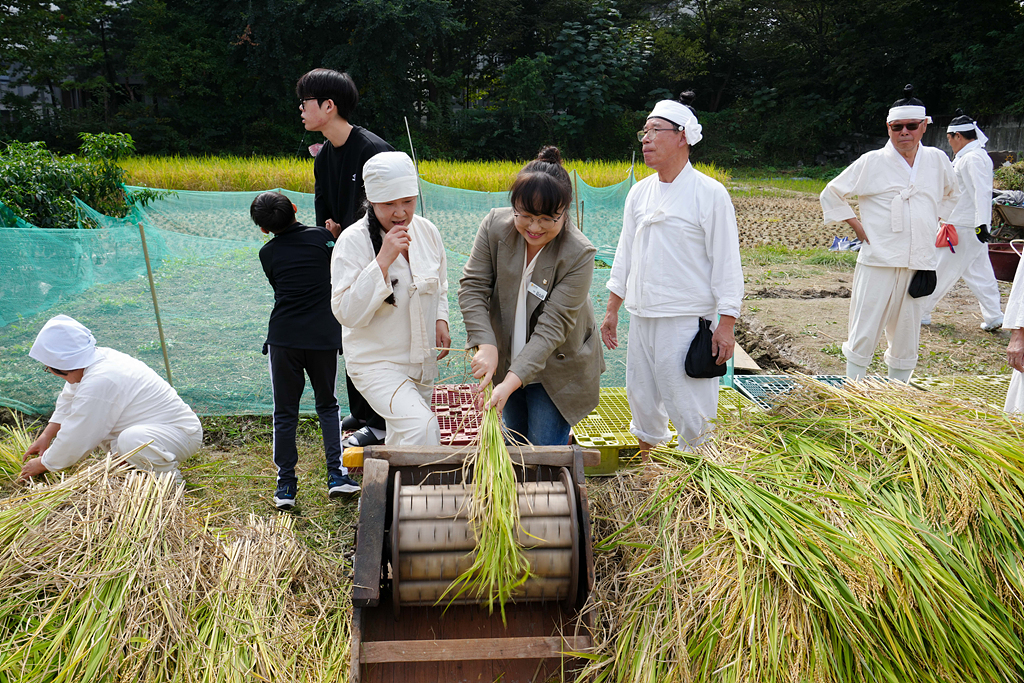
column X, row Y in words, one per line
column 499, row 564
column 867, row 532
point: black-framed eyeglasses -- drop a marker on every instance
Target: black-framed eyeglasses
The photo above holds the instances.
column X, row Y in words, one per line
column 61, row 373
column 545, row 222
column 897, row 127
column 303, row 100
column 653, row 133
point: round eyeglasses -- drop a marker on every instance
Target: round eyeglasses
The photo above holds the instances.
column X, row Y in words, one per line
column 524, row 221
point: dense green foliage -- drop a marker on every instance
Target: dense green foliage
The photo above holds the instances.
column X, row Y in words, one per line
column 40, row 186
column 777, row 81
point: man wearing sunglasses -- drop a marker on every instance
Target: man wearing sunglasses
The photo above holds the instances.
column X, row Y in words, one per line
column 109, row 400
column 903, row 189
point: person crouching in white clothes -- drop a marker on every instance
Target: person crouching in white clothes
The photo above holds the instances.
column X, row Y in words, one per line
column 677, row 261
column 904, row 188
column 389, row 288
column 109, row 400
column 968, row 259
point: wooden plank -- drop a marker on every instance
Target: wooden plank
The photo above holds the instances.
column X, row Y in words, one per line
column 370, row 534
column 535, row 647
column 587, row 548
column 469, row 622
column 356, row 645
column 742, row 362
column 418, row 456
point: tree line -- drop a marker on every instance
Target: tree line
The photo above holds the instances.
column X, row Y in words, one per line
column 778, row 81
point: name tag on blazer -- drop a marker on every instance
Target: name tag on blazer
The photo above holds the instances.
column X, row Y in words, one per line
column 532, row 288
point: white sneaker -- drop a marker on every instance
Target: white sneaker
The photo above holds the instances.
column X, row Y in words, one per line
column 926, row 321
column 993, row 326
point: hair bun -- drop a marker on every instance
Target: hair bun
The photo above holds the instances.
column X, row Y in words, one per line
column 908, row 91
column 550, row 154
column 960, row 112
column 687, row 97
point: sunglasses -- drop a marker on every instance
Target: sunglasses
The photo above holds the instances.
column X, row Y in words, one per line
column 897, row 127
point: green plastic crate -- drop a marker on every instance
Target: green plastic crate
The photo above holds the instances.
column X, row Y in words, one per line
column 987, row 390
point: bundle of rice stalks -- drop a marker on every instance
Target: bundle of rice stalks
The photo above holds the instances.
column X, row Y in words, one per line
column 112, row 574
column 14, row 441
column 499, row 565
column 859, row 533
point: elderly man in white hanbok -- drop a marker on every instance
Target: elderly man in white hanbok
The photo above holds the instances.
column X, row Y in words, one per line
column 677, row 261
column 904, row 188
column 1014, row 320
column 109, row 400
column 971, row 218
column 389, row 288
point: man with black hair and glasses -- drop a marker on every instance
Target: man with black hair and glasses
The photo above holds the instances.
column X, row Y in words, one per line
column 326, row 100
column 903, row 189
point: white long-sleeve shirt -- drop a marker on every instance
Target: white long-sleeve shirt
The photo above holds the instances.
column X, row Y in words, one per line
column 678, row 253
column 973, row 168
column 116, row 392
column 899, row 205
column 373, row 331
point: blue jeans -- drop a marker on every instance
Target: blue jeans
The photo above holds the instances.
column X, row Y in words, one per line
column 530, row 413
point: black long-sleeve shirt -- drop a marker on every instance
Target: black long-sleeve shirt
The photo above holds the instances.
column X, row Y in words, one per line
column 339, row 191
column 297, row 262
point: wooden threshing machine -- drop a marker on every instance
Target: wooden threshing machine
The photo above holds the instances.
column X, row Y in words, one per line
column 413, row 539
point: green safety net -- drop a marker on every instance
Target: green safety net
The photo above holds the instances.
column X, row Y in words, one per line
column 213, row 297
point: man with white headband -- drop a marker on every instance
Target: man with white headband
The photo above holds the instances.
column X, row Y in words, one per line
column 968, row 259
column 109, row 400
column 677, row 262
column 903, row 188
column 389, row 286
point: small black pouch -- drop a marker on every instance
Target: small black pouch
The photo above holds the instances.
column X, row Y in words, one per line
column 700, row 363
column 922, row 284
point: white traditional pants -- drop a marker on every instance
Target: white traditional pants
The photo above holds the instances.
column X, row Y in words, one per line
column 171, row 446
column 1015, row 395
column 658, row 388
column 396, row 394
column 971, row 263
column 880, row 303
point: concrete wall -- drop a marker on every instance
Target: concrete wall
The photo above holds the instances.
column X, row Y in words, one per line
column 1005, row 133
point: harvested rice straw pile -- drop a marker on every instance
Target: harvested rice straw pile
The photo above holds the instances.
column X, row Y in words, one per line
column 499, row 565
column 854, row 534
column 114, row 575
column 14, row 441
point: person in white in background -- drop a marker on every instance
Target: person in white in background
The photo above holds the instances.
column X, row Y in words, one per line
column 389, row 286
column 678, row 260
column 972, row 218
column 1014, row 321
column 904, row 189
column 109, row 400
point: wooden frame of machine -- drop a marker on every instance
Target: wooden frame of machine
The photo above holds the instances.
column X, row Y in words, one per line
column 413, row 539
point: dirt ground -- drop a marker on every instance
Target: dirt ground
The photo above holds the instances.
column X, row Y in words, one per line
column 796, row 308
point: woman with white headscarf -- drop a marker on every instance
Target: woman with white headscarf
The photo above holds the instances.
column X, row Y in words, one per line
column 389, row 289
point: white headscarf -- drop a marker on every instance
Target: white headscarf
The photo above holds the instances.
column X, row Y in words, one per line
column 388, row 176
column 911, row 112
column 64, row 344
column 961, row 127
column 679, row 114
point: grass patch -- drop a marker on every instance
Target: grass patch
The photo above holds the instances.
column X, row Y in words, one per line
column 768, row 254
column 846, row 260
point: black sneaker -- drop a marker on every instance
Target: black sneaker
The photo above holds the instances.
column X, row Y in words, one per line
column 339, row 484
column 351, row 423
column 284, row 496
column 362, row 437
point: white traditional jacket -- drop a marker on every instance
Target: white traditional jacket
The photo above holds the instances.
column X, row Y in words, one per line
column 899, row 205
column 678, row 253
column 973, row 168
column 116, row 392
column 373, row 331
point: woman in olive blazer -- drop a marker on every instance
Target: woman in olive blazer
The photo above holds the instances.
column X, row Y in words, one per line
column 553, row 380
